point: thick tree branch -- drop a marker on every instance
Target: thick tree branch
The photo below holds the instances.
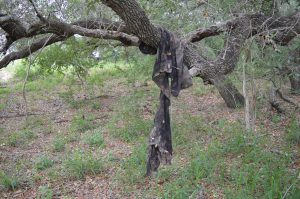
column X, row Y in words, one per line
column 238, row 30
column 16, row 29
column 25, row 52
column 72, row 29
column 198, row 35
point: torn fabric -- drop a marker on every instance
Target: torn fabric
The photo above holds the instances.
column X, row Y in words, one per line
column 168, row 68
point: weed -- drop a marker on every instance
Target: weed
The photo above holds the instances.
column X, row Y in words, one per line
column 45, row 192
column 95, row 139
column 3, row 107
column 34, row 122
column 80, row 163
column 59, row 143
column 4, row 91
column 276, row 119
column 199, row 89
column 81, row 124
column 96, row 105
column 133, row 169
column 68, row 98
column 42, row 84
column 43, row 162
column 8, row 182
column 128, row 111
column 14, row 139
column 293, row 131
column 28, row 134
column 20, row 137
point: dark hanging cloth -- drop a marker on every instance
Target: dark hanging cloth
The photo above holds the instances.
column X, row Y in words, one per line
column 168, row 68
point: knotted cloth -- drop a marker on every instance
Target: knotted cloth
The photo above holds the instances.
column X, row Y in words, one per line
column 168, row 66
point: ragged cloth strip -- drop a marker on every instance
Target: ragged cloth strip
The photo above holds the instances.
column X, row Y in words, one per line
column 168, row 66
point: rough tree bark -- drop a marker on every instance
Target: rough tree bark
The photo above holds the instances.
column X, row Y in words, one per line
column 232, row 97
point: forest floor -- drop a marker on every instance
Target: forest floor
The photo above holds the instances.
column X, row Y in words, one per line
column 90, row 141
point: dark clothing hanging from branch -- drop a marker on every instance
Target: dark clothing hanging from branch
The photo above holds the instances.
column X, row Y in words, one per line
column 168, row 65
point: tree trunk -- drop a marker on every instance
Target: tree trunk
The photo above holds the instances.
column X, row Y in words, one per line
column 232, row 97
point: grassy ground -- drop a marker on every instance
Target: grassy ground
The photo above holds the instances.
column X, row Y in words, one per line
column 91, row 142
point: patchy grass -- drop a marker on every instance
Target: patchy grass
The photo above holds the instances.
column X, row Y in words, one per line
column 81, row 162
column 133, row 169
column 199, row 89
column 95, row 139
column 127, row 122
column 43, row 162
column 213, row 155
column 59, row 143
column 45, row 192
column 293, row 131
column 19, row 138
column 8, row 182
column 69, row 98
column 81, row 124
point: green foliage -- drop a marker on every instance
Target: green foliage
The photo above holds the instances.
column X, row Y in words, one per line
column 73, row 54
column 41, row 84
column 127, row 122
column 96, row 105
column 80, row 162
column 4, row 91
column 94, row 139
column 133, row 169
column 43, row 162
column 59, row 143
column 199, row 89
column 8, row 182
column 1, row 130
column 68, row 97
column 293, row 131
column 20, row 137
column 14, row 139
column 82, row 124
column 140, row 68
column 45, row 192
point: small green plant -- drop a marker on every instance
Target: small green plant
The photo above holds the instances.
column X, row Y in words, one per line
column 133, row 169
column 43, row 162
column 96, row 105
column 45, row 193
column 80, row 163
column 293, row 131
column 28, row 134
column 68, row 98
column 276, row 119
column 20, row 137
column 81, row 124
column 95, row 139
column 59, row 143
column 2, row 106
column 8, row 182
column 14, row 139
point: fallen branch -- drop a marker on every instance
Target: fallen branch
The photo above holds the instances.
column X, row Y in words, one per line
column 20, row 115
